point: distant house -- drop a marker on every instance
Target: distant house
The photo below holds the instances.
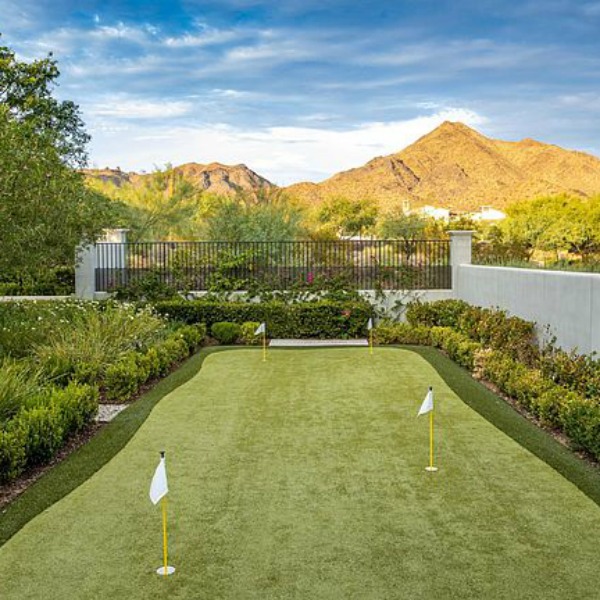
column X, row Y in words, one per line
column 435, row 213
column 488, row 213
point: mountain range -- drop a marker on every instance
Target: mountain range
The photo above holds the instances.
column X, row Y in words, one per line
column 453, row 167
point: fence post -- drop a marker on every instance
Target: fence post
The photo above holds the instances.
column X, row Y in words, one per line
column 461, row 248
column 85, row 271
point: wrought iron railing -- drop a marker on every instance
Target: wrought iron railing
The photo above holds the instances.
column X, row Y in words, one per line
column 364, row 264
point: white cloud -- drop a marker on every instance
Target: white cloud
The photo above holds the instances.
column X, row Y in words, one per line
column 124, row 108
column 282, row 154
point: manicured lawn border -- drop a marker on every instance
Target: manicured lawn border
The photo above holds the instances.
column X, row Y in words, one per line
column 92, row 456
column 500, row 414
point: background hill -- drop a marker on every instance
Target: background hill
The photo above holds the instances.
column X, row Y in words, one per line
column 456, row 167
column 216, row 178
column 453, row 167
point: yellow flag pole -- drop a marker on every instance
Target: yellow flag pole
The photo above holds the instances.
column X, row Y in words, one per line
column 431, row 439
column 264, row 346
column 371, row 341
column 164, row 515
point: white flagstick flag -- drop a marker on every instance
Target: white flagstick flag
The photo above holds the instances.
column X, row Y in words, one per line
column 370, row 324
column 427, row 405
column 159, row 487
column 260, row 329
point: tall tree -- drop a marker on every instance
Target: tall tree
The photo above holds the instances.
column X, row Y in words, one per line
column 26, row 92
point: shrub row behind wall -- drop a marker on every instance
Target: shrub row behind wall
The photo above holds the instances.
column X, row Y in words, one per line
column 301, row 320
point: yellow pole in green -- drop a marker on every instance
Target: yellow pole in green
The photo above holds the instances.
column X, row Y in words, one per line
column 264, row 346
column 164, row 514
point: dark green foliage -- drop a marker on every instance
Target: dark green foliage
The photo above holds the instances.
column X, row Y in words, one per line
column 458, row 346
column 491, row 328
column 388, row 332
column 302, row 320
column 444, row 313
column 37, row 432
column 12, row 454
column 43, row 431
column 247, row 333
column 226, row 333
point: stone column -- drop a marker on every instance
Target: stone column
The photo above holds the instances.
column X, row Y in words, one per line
column 85, row 271
column 461, row 251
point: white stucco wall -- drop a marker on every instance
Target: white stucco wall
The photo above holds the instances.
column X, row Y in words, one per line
column 568, row 303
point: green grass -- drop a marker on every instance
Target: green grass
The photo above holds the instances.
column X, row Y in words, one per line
column 303, row 477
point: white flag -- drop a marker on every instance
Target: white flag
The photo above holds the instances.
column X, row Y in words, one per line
column 159, row 487
column 427, row 405
column 370, row 324
column 262, row 328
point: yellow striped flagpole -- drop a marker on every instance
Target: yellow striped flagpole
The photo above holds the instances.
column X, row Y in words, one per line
column 164, row 515
column 264, row 345
column 431, row 440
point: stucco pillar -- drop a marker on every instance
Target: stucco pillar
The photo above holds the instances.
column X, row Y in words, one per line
column 461, row 253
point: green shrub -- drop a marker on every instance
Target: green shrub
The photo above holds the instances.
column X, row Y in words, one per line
column 122, row 379
column 43, row 431
column 193, row 335
column 153, row 362
column 443, row 313
column 20, row 385
column 458, row 346
column 388, row 332
column 247, row 333
column 226, row 333
column 12, row 454
column 322, row 319
column 77, row 404
column 580, row 373
column 580, row 419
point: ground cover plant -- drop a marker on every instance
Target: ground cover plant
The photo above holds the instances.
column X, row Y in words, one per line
column 332, row 503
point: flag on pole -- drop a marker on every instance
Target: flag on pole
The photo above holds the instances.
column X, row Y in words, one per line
column 158, row 491
column 427, row 405
column 262, row 328
column 370, row 324
column 159, row 487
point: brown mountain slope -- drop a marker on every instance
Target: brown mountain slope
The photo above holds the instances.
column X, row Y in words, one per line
column 456, row 167
column 214, row 177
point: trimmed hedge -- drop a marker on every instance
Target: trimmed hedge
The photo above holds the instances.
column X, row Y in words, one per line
column 323, row 319
column 491, row 328
column 124, row 378
column 36, row 434
column 226, row 333
column 389, row 332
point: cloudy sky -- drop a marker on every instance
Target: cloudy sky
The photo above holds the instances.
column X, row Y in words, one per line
column 300, row 89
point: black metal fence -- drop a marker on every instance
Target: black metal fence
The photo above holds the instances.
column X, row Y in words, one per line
column 364, row 264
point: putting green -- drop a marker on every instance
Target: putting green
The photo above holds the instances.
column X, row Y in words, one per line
column 303, row 477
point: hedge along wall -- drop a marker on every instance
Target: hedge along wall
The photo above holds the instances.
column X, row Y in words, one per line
column 559, row 389
column 302, row 320
column 568, row 303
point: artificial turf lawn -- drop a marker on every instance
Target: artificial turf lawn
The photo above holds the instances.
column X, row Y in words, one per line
column 303, row 477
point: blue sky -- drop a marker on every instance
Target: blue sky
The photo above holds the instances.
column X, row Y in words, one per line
column 301, row 89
